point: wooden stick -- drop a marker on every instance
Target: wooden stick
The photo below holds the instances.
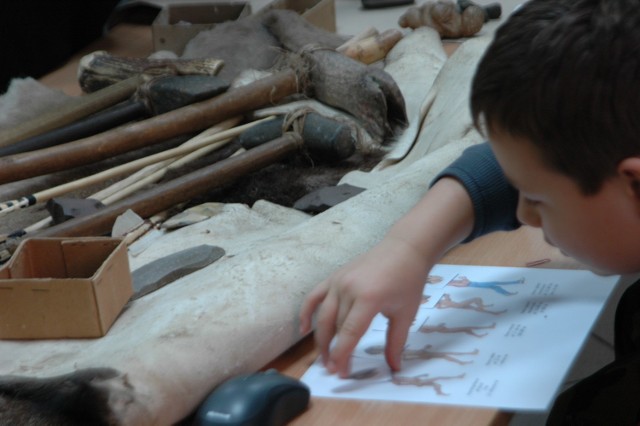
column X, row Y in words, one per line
column 71, row 111
column 179, row 190
column 121, row 189
column 133, row 136
column 152, row 222
column 159, row 173
column 118, row 187
column 202, row 144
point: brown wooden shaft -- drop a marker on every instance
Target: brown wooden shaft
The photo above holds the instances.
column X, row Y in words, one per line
column 71, row 111
column 191, row 118
column 177, row 191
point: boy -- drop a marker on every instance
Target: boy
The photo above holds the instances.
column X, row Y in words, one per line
column 557, row 93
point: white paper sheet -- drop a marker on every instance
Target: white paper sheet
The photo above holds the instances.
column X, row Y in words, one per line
column 503, row 337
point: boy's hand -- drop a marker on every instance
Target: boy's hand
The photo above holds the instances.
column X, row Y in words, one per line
column 388, row 279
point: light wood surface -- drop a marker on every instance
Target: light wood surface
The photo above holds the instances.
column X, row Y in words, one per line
column 499, row 249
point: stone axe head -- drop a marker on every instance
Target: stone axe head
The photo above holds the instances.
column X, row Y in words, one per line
column 324, row 138
column 165, row 93
column 62, row 209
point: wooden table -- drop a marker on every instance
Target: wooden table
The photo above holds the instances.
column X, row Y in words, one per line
column 498, row 249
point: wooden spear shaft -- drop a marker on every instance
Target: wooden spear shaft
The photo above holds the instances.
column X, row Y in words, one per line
column 191, row 118
column 179, row 190
column 71, row 111
column 143, row 177
column 198, row 143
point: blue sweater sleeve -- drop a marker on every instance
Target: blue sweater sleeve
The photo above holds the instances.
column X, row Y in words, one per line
column 494, row 199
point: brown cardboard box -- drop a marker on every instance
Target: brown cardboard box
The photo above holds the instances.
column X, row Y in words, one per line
column 64, row 288
column 178, row 23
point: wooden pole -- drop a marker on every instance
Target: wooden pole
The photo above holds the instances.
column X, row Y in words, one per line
column 201, row 144
column 179, row 190
column 71, row 111
column 191, row 118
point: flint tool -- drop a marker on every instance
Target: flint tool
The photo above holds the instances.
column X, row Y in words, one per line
column 157, row 96
column 71, row 111
column 163, row 271
column 324, row 198
column 190, row 118
column 63, row 209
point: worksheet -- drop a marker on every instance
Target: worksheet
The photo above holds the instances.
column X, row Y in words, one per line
column 483, row 336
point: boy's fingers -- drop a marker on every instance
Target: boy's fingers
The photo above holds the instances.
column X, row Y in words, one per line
column 309, row 306
column 397, row 333
column 344, row 308
column 350, row 331
column 326, row 326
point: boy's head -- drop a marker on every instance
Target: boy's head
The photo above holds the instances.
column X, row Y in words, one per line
column 565, row 75
column 558, row 92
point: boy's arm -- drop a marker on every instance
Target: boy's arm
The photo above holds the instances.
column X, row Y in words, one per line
column 494, row 200
column 390, row 277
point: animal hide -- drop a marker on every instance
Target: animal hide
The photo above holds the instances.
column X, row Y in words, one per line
column 443, row 117
column 374, row 100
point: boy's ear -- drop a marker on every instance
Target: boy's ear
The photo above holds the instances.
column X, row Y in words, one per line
column 629, row 171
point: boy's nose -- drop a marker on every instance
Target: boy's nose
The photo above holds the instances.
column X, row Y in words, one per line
column 527, row 214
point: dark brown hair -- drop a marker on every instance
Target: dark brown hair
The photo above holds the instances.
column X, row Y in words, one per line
column 565, row 75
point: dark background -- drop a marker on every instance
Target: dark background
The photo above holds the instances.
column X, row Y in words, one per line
column 37, row 36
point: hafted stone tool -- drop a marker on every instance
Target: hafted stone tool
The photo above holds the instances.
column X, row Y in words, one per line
column 157, row 96
column 184, row 188
column 163, row 271
column 132, row 136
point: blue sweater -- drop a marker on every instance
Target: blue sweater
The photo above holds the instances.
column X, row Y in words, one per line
column 494, row 199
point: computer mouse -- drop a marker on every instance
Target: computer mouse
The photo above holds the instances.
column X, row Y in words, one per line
column 267, row 398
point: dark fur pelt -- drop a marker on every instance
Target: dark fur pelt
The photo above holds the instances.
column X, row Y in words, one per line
column 77, row 399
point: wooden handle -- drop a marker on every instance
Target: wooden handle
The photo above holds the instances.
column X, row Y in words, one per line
column 136, row 135
column 179, row 190
column 71, row 111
